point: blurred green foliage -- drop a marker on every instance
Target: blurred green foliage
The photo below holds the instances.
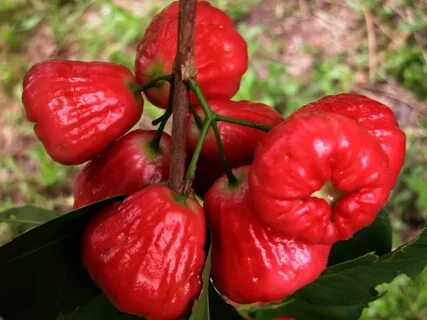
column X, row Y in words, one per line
column 34, row 30
column 404, row 299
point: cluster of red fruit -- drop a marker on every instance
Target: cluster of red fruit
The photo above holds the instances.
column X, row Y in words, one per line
column 317, row 177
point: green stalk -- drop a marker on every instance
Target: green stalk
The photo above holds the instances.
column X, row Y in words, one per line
column 155, row 143
column 211, row 120
column 158, row 120
column 194, row 86
column 232, row 180
column 191, row 171
column 138, row 88
column 263, row 127
column 197, row 117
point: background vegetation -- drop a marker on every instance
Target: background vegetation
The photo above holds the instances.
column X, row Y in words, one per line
column 299, row 51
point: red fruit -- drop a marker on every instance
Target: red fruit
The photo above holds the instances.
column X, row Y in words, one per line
column 319, row 177
column 250, row 262
column 79, row 108
column 147, row 253
column 372, row 115
column 239, row 141
column 126, row 166
column 221, row 55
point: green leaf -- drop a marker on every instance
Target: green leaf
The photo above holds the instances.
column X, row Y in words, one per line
column 376, row 238
column 219, row 309
column 99, row 308
column 40, row 271
column 419, row 185
column 343, row 290
column 200, row 309
column 25, row 218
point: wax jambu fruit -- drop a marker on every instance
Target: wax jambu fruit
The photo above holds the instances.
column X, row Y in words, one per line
column 319, row 177
column 147, row 253
column 221, row 56
column 250, row 262
column 79, row 108
column 375, row 117
column 126, row 166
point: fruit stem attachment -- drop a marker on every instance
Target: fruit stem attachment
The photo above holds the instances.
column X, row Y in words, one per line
column 246, row 123
column 183, row 70
column 191, row 171
column 197, row 117
column 211, row 122
column 155, row 143
column 232, row 180
column 138, row 88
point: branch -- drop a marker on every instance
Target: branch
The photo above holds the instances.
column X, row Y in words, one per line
column 184, row 69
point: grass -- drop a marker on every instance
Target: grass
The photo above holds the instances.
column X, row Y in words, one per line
column 35, row 30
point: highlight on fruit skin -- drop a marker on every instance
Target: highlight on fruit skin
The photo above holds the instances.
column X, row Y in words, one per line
column 377, row 118
column 220, row 52
column 124, row 167
column 252, row 263
column 319, row 177
column 147, row 253
column 79, row 108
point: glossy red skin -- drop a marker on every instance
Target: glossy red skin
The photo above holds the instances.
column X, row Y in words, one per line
column 79, row 108
column 250, row 262
column 220, row 52
column 147, row 253
column 239, row 141
column 126, row 166
column 374, row 116
column 298, row 157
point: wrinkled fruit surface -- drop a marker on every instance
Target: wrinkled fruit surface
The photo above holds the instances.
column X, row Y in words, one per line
column 375, row 117
column 319, row 177
column 147, row 253
column 126, row 166
column 220, row 52
column 252, row 263
column 239, row 141
column 79, row 108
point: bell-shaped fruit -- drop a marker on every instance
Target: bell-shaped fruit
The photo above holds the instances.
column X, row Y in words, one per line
column 126, row 166
column 319, row 177
column 147, row 253
column 250, row 262
column 79, row 108
column 220, row 53
column 375, row 117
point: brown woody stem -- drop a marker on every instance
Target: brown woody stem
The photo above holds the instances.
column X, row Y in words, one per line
column 183, row 70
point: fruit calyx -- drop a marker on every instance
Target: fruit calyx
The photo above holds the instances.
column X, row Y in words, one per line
column 329, row 193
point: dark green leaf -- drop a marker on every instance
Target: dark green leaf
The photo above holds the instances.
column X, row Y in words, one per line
column 201, row 305
column 40, row 270
column 343, row 290
column 219, row 309
column 25, row 218
column 98, row 309
column 376, row 238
